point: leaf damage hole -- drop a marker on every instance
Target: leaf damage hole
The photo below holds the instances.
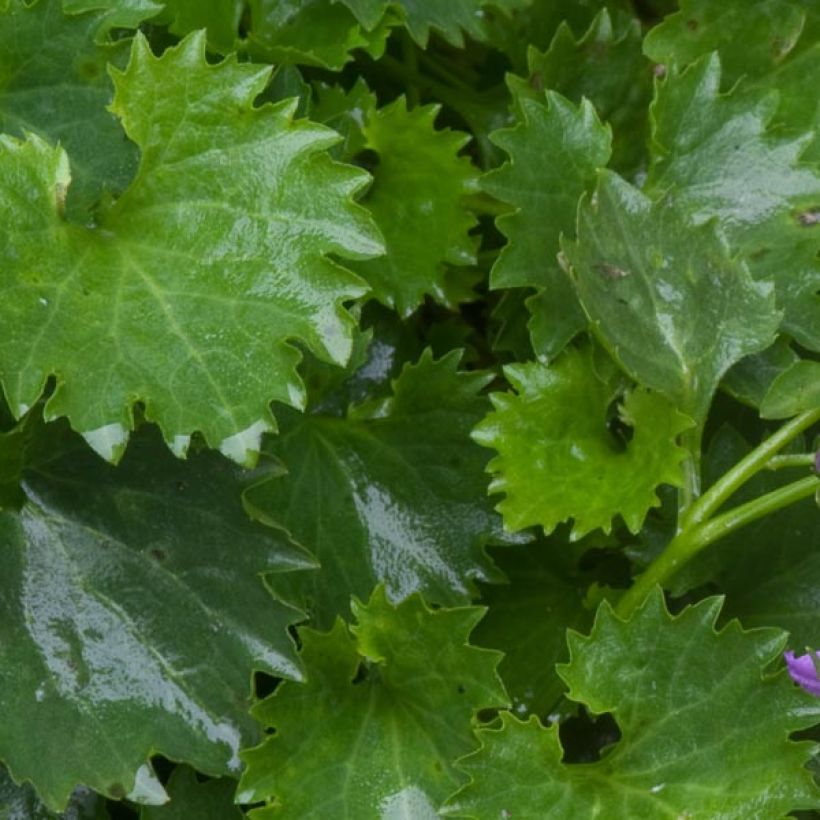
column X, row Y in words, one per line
column 584, row 738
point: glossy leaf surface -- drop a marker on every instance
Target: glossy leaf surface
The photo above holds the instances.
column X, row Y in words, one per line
column 397, row 497
column 651, row 282
column 557, row 459
column 695, row 712
column 714, row 155
column 554, row 153
column 134, row 614
column 197, row 277
column 385, row 712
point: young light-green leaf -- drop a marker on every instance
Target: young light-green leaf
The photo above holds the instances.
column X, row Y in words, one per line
column 418, row 200
column 557, row 459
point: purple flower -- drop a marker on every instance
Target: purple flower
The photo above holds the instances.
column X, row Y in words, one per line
column 803, row 671
column 817, row 462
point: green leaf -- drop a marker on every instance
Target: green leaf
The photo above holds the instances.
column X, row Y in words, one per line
column 418, row 200
column 192, row 800
column 118, row 14
column 22, row 803
column 451, row 19
column 133, row 617
column 345, row 111
column 536, row 22
column 695, row 713
column 605, row 66
column 713, row 154
column 770, row 45
column 557, row 459
column 310, row 32
column 750, row 379
column 395, row 496
column 385, row 712
column 221, row 19
column 554, row 152
column 527, row 619
column 752, row 36
column 794, row 391
column 53, row 83
column 192, row 284
column 665, row 296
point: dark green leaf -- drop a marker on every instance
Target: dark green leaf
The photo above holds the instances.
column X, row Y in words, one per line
column 554, row 152
column 134, row 613
column 527, row 619
column 713, row 155
column 396, row 496
column 794, row 391
column 192, row 800
column 605, row 66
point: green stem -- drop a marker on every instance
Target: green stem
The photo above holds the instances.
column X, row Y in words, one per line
column 794, row 460
column 684, row 546
column 690, row 492
column 747, row 467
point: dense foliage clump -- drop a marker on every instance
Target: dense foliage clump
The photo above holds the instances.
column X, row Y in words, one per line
column 409, row 409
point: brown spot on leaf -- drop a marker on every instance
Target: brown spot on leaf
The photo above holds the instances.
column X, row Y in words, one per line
column 611, row 271
column 537, row 81
column 692, row 25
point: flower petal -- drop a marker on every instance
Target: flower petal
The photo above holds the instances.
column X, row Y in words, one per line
column 803, row 671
